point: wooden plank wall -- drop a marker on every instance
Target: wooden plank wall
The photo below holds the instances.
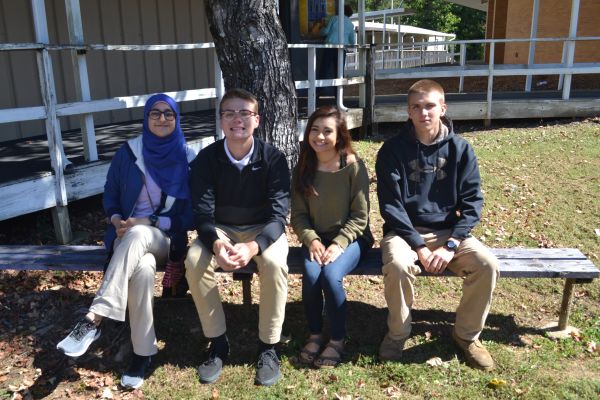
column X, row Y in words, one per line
column 111, row 73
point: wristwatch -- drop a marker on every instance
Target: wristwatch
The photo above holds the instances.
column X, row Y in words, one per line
column 153, row 220
column 451, row 245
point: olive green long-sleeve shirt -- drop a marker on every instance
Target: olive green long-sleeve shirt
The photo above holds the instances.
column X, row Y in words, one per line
column 340, row 213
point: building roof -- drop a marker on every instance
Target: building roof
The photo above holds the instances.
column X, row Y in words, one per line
column 480, row 5
column 391, row 12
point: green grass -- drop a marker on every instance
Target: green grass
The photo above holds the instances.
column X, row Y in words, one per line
column 542, row 188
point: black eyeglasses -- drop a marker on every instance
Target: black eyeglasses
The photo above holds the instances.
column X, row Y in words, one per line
column 155, row 114
column 229, row 115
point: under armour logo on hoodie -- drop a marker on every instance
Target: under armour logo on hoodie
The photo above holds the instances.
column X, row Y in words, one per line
column 415, row 175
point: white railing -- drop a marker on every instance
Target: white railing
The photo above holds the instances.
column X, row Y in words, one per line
column 57, row 188
column 565, row 69
column 394, row 57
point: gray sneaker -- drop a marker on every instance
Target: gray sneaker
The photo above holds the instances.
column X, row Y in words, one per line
column 267, row 368
column 210, row 370
column 390, row 349
column 80, row 338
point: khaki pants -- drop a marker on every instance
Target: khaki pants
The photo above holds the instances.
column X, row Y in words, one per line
column 272, row 269
column 473, row 262
column 129, row 282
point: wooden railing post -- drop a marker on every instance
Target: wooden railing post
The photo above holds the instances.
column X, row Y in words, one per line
column 312, row 92
column 219, row 92
column 532, row 43
column 490, row 87
column 60, row 213
column 463, row 62
column 570, row 55
column 82, row 84
column 369, row 127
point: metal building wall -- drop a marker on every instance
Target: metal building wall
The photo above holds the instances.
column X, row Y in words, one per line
column 113, row 73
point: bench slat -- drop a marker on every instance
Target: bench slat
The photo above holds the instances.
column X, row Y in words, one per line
column 520, row 253
column 514, row 262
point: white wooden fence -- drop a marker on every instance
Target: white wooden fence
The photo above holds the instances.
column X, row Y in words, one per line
column 55, row 189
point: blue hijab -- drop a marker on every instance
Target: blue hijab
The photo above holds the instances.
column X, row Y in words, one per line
column 165, row 158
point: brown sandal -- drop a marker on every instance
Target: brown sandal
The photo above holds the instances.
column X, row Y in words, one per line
column 308, row 357
column 330, row 361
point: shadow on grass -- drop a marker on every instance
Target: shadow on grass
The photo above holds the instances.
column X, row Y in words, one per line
column 183, row 343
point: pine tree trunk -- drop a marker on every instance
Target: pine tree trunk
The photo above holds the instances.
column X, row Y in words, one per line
column 253, row 55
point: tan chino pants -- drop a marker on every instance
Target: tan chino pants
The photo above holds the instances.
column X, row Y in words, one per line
column 272, row 269
column 473, row 262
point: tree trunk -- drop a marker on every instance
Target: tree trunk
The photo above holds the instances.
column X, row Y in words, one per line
column 253, row 55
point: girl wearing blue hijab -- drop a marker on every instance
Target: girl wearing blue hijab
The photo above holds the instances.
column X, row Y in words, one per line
column 147, row 200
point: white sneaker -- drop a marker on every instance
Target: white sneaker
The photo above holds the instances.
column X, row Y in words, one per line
column 80, row 338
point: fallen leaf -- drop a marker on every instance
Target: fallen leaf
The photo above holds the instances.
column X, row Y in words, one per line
column 285, row 339
column 434, row 362
column 215, row 394
column 496, row 383
column 342, row 397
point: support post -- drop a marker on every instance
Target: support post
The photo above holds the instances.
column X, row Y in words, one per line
column 463, row 62
column 488, row 118
column 369, row 127
column 60, row 214
column 82, row 84
column 340, row 60
column 362, row 54
column 532, row 43
column 312, row 92
column 566, row 93
column 565, row 306
column 219, row 92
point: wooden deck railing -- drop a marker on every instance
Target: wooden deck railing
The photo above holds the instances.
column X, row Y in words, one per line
column 53, row 191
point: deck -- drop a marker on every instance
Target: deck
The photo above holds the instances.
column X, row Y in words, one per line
column 27, row 159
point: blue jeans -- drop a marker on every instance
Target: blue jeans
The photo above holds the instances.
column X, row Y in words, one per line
column 328, row 281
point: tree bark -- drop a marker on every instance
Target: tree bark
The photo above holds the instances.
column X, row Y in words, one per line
column 253, row 55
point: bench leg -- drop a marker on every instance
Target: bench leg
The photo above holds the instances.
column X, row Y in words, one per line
column 565, row 307
column 246, row 288
column 247, row 292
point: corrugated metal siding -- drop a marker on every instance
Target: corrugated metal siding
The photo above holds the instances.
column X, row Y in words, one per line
column 113, row 73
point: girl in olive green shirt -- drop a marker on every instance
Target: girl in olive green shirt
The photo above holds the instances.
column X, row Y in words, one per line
column 330, row 215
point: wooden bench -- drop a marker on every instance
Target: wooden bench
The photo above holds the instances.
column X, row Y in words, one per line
column 568, row 264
